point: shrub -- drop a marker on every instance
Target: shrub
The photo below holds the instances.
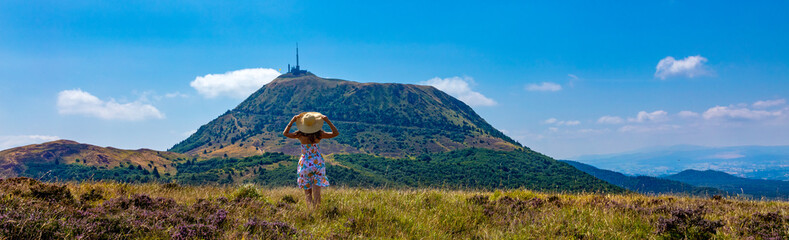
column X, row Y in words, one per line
column 92, row 196
column 173, row 186
column 269, row 230
column 118, row 218
column 687, row 224
column 478, row 199
column 771, row 225
column 247, row 191
column 28, row 187
column 194, row 231
column 289, row 199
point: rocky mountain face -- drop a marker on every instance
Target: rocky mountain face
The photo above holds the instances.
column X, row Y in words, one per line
column 383, row 119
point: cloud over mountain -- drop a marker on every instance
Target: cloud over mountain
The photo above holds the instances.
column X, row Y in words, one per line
column 78, row 102
column 234, row 84
column 460, row 88
column 21, row 140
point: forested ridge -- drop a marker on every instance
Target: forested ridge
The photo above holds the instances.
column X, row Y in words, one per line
column 471, row 168
column 645, row 184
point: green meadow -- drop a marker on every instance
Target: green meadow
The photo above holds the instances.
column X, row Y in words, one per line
column 30, row 209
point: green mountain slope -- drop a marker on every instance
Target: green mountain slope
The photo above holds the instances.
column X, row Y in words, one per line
column 471, row 168
column 474, row 168
column 643, row 184
column 384, row 119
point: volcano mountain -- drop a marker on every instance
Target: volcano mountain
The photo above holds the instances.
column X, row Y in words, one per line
column 383, row 119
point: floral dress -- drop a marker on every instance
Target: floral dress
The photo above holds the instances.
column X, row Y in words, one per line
column 312, row 169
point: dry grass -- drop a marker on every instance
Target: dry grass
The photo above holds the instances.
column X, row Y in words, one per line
column 436, row 213
column 354, row 213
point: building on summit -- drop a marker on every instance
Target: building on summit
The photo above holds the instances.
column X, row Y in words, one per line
column 296, row 70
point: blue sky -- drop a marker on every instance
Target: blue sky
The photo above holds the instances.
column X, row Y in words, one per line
column 565, row 78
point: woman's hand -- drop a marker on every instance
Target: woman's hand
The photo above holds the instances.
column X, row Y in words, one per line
column 334, row 132
column 287, row 132
column 295, row 118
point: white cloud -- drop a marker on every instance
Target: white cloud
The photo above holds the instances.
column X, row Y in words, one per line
column 562, row 123
column 176, row 95
column 573, row 79
column 544, row 87
column 769, row 103
column 687, row 114
column 738, row 113
column 593, row 131
column 656, row 116
column 22, row 140
column 461, row 89
column 188, row 133
column 79, row 102
column 649, row 128
column 691, row 66
column 234, row 84
column 610, row 120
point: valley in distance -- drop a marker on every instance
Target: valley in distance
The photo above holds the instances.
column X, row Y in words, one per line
column 411, row 162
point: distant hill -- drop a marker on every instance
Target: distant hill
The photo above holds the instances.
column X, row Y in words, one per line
column 384, row 119
column 18, row 161
column 643, row 184
column 756, row 162
column 734, row 185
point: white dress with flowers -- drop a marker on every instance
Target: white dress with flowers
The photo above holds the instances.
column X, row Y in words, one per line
column 312, row 169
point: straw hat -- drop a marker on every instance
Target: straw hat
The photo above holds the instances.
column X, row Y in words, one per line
column 310, row 122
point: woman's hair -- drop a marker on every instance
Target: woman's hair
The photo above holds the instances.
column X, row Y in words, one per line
column 312, row 136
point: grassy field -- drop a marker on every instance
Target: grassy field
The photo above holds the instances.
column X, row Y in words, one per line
column 106, row 210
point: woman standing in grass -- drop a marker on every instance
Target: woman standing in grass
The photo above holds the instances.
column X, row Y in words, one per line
column 312, row 168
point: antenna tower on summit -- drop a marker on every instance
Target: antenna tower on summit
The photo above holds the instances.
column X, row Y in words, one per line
column 296, row 70
column 297, row 55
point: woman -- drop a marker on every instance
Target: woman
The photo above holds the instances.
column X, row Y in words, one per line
column 312, row 169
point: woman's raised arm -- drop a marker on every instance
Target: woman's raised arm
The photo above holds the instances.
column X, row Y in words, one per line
column 287, row 132
column 334, row 132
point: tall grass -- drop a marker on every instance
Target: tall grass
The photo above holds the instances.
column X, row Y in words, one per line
column 253, row 212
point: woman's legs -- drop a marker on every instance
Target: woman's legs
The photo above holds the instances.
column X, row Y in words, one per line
column 308, row 194
column 316, row 195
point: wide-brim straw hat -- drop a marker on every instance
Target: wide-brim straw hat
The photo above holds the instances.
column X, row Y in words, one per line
column 310, row 122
